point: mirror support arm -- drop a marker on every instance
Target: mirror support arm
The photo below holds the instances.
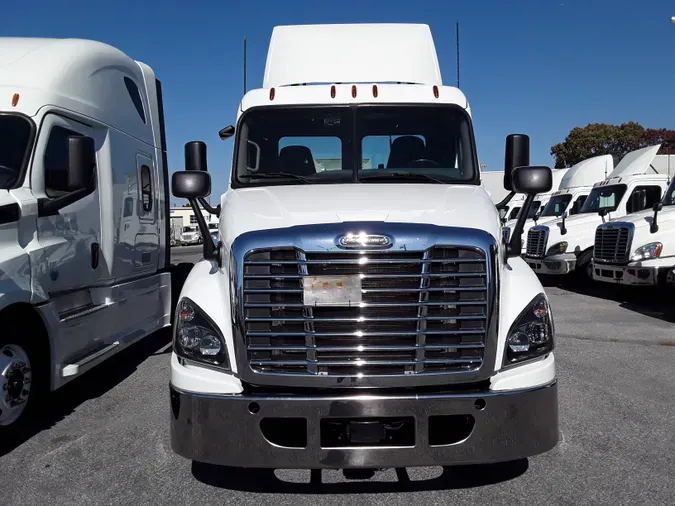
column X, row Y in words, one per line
column 515, row 247
column 212, row 210
column 210, row 252
column 506, row 200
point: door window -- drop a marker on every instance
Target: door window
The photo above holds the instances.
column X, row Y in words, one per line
column 643, row 197
column 146, row 188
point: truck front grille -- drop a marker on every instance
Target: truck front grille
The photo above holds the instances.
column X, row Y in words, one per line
column 612, row 245
column 536, row 242
column 421, row 312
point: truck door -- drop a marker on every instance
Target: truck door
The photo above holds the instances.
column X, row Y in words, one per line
column 146, row 243
column 68, row 257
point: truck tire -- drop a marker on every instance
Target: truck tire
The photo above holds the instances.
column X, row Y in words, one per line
column 23, row 376
column 584, row 268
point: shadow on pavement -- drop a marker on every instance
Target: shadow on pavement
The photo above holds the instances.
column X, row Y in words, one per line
column 649, row 301
column 90, row 385
column 265, row 480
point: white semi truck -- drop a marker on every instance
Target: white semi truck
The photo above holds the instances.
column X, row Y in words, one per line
column 84, row 220
column 575, row 186
column 638, row 249
column 565, row 245
column 369, row 315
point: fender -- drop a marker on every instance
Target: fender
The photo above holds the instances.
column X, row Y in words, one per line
column 518, row 286
column 209, row 288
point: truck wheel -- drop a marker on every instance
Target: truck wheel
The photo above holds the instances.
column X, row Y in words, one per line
column 23, row 382
column 584, row 268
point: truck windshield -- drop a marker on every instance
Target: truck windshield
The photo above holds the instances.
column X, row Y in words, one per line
column 604, row 197
column 556, row 206
column 15, row 144
column 669, row 198
column 358, row 144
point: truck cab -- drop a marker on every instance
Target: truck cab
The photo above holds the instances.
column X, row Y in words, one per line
column 575, row 184
column 83, row 213
column 564, row 246
column 638, row 249
column 361, row 309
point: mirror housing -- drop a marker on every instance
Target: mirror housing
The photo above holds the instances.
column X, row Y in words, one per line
column 81, row 162
column 191, row 184
column 195, row 156
column 226, row 132
column 530, row 181
column 654, row 226
column 517, row 155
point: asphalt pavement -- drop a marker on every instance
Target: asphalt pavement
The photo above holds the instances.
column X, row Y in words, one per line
column 105, row 439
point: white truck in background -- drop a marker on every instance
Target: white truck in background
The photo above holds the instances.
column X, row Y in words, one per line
column 369, row 315
column 84, row 222
column 539, row 203
column 638, row 249
column 493, row 183
column 575, row 186
column 565, row 246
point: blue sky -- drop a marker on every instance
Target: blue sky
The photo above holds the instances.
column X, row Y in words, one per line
column 539, row 67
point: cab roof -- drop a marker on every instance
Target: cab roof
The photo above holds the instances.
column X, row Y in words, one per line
column 81, row 75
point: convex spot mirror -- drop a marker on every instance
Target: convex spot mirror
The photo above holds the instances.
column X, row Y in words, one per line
column 191, row 184
column 532, row 180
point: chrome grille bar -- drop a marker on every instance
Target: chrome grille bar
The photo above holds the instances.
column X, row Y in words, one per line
column 423, row 312
column 537, row 238
column 612, row 243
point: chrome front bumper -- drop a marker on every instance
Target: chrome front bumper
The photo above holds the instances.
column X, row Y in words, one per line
column 631, row 275
column 552, row 265
column 227, row 429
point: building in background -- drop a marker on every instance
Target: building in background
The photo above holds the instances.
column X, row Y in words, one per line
column 184, row 219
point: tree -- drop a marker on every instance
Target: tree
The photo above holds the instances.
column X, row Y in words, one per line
column 617, row 140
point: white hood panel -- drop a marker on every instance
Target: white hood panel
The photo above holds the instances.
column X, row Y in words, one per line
column 249, row 209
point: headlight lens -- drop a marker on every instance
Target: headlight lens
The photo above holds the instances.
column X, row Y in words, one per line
column 531, row 335
column 557, row 249
column 651, row 250
column 197, row 338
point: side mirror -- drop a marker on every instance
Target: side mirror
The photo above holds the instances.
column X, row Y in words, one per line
column 532, row 180
column 81, row 162
column 657, row 207
column 195, row 156
column 226, row 132
column 191, row 184
column 517, row 155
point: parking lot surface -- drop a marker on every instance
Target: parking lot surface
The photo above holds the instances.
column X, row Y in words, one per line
column 105, row 439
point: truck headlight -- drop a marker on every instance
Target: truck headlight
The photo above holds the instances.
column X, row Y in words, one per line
column 197, row 337
column 651, row 250
column 531, row 335
column 557, row 249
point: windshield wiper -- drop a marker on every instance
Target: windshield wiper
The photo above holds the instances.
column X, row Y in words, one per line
column 404, row 176
column 276, row 175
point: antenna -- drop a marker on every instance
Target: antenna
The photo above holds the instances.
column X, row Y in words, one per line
column 458, row 54
column 244, row 65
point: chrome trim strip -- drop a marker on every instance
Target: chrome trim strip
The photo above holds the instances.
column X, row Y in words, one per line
column 320, row 238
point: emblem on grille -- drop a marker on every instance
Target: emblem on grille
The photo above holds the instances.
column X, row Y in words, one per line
column 364, row 240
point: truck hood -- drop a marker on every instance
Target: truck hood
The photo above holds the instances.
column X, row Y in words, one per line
column 642, row 222
column 249, row 209
column 580, row 231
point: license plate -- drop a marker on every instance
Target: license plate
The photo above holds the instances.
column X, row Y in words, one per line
column 332, row 290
